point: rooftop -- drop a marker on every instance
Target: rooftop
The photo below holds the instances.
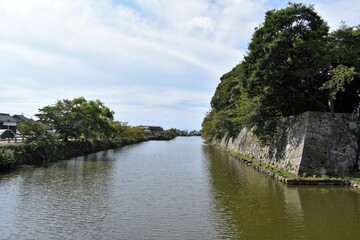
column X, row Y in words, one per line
column 4, row 117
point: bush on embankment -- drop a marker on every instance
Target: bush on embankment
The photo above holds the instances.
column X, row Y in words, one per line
column 48, row 150
column 6, row 157
column 72, row 128
column 38, row 152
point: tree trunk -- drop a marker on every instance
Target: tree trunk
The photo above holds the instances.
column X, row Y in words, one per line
column 331, row 104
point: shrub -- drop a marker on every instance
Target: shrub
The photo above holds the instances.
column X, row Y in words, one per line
column 325, row 177
column 6, row 157
column 45, row 149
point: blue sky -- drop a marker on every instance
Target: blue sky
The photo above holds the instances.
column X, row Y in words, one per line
column 154, row 62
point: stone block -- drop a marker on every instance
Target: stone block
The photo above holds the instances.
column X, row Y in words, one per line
column 313, row 142
column 353, row 126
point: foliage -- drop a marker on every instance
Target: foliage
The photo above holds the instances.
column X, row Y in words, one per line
column 340, row 77
column 134, row 133
column 33, row 130
column 46, row 148
column 293, row 64
column 325, row 177
column 342, row 59
column 208, row 127
column 284, row 57
column 78, row 118
column 73, row 127
column 6, row 157
column 216, row 124
column 170, row 133
column 119, row 129
column 41, row 142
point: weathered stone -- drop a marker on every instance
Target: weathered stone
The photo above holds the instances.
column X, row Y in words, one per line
column 312, row 143
column 353, row 126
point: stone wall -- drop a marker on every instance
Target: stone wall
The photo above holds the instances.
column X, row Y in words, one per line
column 312, row 143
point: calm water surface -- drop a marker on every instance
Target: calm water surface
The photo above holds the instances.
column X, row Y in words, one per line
column 180, row 189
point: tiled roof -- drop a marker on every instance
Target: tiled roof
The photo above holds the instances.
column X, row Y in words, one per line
column 4, row 117
column 20, row 118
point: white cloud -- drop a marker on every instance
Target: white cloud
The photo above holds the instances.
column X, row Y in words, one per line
column 33, row 56
column 155, row 60
column 202, row 22
column 333, row 12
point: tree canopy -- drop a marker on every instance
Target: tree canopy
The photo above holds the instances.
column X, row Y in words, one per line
column 78, row 118
column 294, row 64
column 75, row 123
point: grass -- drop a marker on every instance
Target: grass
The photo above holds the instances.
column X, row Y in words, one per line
column 251, row 160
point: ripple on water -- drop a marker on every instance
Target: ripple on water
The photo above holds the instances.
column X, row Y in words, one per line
column 178, row 189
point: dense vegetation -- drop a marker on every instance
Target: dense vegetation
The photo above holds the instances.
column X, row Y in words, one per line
column 294, row 64
column 73, row 127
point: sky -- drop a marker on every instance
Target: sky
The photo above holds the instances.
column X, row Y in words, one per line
column 153, row 62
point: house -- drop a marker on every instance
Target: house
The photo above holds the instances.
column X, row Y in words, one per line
column 152, row 129
column 11, row 122
column 7, row 122
column 21, row 118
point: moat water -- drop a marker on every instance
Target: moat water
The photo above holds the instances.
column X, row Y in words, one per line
column 178, row 189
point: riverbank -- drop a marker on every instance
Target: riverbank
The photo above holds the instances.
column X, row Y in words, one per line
column 291, row 179
column 14, row 155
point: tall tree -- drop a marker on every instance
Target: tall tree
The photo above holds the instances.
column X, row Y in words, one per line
column 340, row 77
column 293, row 65
column 342, row 67
column 285, row 56
column 78, row 118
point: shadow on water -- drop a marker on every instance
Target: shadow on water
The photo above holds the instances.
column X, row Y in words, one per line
column 250, row 205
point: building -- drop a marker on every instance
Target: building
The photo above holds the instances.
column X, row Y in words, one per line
column 152, row 129
column 7, row 122
column 11, row 122
column 20, row 118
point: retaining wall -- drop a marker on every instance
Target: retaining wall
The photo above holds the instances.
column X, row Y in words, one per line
column 312, row 143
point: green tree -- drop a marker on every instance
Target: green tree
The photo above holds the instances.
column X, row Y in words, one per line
column 63, row 117
column 78, row 118
column 341, row 76
column 293, row 65
column 207, row 127
column 33, row 130
column 119, row 130
column 284, row 58
column 96, row 119
column 341, row 68
column 132, row 134
column 43, row 143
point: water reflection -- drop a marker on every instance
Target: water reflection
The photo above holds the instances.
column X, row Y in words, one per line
column 330, row 212
column 57, row 200
column 249, row 205
column 180, row 189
